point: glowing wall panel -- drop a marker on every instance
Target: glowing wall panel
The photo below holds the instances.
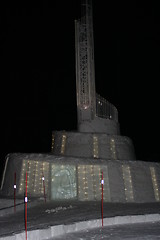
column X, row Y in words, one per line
column 63, row 144
column 95, row 146
column 113, row 149
column 52, row 144
column 96, row 181
column 155, row 183
column 63, row 182
column 35, row 171
column 106, row 186
column 89, row 183
column 82, row 182
column 127, row 183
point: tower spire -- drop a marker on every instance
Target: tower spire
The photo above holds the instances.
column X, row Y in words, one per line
column 95, row 114
column 85, row 76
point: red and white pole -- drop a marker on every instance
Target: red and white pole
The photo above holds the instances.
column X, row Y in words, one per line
column 15, row 192
column 102, row 182
column 26, row 200
column 44, row 188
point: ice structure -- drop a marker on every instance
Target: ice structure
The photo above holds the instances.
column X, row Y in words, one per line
column 73, row 170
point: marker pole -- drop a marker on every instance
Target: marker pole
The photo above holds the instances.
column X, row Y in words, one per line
column 44, row 188
column 15, row 192
column 102, row 182
column 26, row 200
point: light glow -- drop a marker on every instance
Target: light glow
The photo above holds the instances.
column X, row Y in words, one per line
column 155, row 185
column 127, row 183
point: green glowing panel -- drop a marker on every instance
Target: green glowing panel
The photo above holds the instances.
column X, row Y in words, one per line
column 63, row 182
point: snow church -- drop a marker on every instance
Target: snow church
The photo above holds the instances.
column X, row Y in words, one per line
column 73, row 170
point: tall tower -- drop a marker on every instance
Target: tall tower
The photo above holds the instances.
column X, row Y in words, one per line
column 95, row 114
column 98, row 134
column 85, row 77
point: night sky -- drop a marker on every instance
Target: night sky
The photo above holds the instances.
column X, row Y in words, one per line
column 38, row 86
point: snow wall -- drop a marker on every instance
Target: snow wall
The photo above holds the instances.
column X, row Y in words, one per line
column 71, row 178
column 92, row 145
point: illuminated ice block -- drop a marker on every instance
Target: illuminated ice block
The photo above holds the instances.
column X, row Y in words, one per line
column 63, row 182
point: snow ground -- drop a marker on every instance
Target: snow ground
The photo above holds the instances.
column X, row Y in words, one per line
column 50, row 219
column 145, row 231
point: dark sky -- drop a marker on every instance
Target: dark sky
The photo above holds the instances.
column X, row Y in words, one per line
column 38, row 91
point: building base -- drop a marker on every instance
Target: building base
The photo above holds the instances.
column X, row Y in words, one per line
column 71, row 178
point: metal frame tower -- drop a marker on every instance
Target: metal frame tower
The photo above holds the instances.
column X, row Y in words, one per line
column 85, row 77
column 91, row 107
